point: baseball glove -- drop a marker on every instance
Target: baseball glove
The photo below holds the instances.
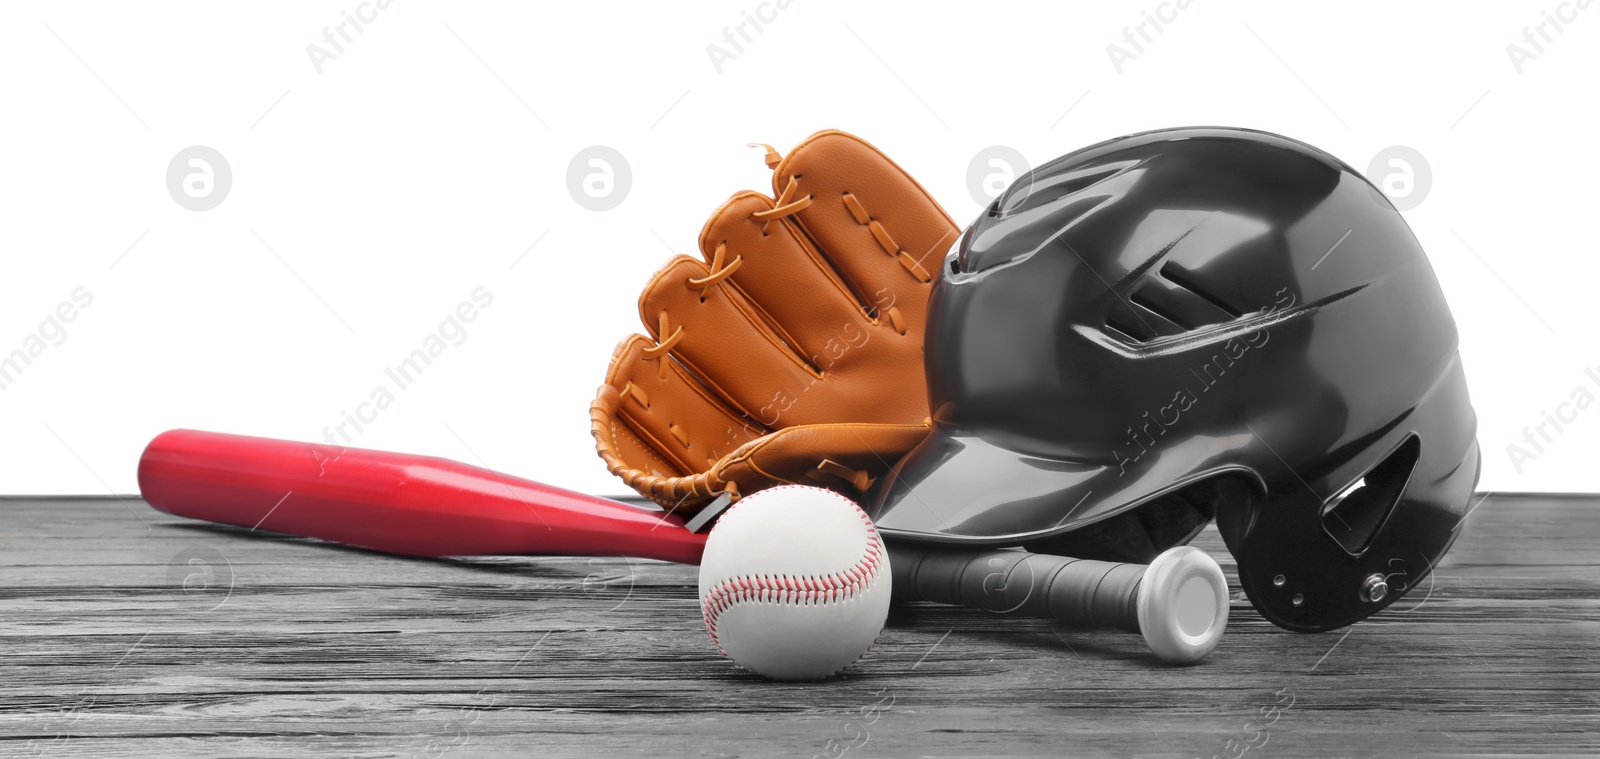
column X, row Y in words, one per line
column 793, row 351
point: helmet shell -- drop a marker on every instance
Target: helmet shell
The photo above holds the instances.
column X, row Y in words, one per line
column 1221, row 318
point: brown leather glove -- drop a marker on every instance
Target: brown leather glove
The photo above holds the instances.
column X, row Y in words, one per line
column 793, row 352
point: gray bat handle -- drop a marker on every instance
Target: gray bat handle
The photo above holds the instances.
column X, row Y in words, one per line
column 1179, row 602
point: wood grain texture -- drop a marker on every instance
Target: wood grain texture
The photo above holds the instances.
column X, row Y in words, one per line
column 301, row 648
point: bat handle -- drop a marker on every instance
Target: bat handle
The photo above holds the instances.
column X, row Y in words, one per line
column 1179, row 602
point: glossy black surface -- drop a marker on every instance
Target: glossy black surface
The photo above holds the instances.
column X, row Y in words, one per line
column 1187, row 306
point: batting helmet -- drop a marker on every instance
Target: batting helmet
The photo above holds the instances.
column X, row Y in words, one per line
column 1190, row 324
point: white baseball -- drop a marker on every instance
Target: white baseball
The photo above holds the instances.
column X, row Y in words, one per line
column 794, row 583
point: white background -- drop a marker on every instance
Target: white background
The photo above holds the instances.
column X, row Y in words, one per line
column 422, row 162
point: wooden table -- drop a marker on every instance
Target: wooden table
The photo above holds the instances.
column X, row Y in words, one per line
column 127, row 631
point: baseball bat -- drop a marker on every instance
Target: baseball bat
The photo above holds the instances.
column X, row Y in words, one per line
column 395, row 503
column 427, row 506
column 1179, row 602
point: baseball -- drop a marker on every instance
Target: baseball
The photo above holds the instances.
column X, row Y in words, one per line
column 794, row 583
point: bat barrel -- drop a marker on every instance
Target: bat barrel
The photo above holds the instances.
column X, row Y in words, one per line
column 1179, row 602
column 392, row 502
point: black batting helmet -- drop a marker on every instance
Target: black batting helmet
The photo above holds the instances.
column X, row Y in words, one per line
column 1191, row 324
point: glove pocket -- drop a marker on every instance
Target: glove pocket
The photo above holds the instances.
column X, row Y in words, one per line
column 846, row 457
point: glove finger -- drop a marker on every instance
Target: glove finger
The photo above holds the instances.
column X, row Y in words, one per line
column 803, row 300
column 878, row 227
column 719, row 336
column 664, row 422
column 859, row 369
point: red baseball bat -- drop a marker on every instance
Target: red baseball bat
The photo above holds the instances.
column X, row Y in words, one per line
column 392, row 502
column 426, row 506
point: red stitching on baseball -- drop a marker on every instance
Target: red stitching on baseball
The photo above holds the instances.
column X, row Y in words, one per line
column 800, row 591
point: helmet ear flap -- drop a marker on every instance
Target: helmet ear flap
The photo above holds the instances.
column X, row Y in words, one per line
column 1355, row 515
column 1351, row 518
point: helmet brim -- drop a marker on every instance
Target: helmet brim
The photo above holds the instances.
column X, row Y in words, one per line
column 959, row 487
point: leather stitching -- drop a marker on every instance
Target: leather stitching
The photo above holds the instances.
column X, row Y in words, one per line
column 796, row 591
column 619, row 432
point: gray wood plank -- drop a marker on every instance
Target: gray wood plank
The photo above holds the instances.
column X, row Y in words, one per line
column 303, row 648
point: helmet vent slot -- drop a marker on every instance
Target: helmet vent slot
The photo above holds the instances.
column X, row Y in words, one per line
column 1354, row 515
column 1038, row 188
column 1168, row 303
column 1131, row 330
column 1177, row 275
column 1142, row 298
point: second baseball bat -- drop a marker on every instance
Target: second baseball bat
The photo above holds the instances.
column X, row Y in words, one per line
column 1179, row 602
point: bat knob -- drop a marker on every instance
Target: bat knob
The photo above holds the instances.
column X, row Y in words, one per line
column 1183, row 605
